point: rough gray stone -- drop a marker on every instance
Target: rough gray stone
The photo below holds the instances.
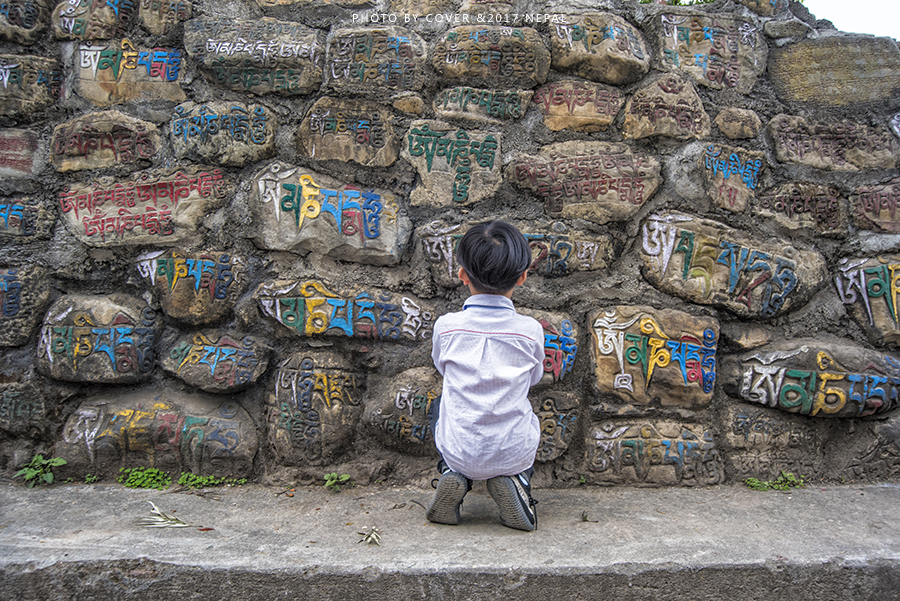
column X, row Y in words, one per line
column 364, row 60
column 160, row 17
column 17, row 152
column 801, row 205
column 30, row 83
column 875, row 207
column 25, row 219
column 119, row 72
column 731, row 176
column 667, row 106
column 476, row 104
column 292, row 205
column 23, row 21
column 398, row 409
column 869, row 286
column 468, row 54
column 89, row 20
column 561, row 334
column 578, row 105
column 24, row 294
column 558, row 413
column 738, row 123
column 349, row 130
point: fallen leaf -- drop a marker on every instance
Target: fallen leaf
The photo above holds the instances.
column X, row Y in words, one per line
column 205, row 529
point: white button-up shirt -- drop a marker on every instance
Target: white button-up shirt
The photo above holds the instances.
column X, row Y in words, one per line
column 489, row 356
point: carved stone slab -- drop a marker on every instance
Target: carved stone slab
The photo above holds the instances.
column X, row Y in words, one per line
column 457, row 166
column 558, row 413
column 876, row 207
column 556, row 250
column 263, row 56
column 477, row 104
column 869, row 286
column 22, row 21
column 837, row 71
column 731, row 175
column 349, row 130
column 838, row 146
column 228, row 133
column 668, row 106
column 375, row 59
column 765, row 8
column 311, row 308
column 17, row 152
column 160, row 17
column 24, row 294
column 300, row 210
column 738, row 123
column 195, row 287
column 561, row 334
column 489, row 55
column 172, row 431
column 29, row 83
column 578, row 105
column 719, row 51
column 23, row 408
column 269, row 4
column 313, row 413
column 643, row 355
column 216, row 361
column 597, row 181
column 98, row 339
column 709, row 263
column 419, row 8
column 816, row 378
column 91, row 20
column 398, row 409
column 24, row 219
column 119, row 72
column 872, row 453
column 158, row 206
column 799, row 205
column 103, row 139
column 760, row 443
column 601, row 47
column 651, row 453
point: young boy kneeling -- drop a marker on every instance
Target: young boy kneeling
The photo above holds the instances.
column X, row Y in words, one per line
column 489, row 356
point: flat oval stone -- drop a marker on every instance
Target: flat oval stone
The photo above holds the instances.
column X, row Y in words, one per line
column 300, row 210
column 869, row 285
column 490, row 55
column 667, row 106
column 119, row 72
column 645, row 356
column 18, row 149
column 89, row 20
column 709, row 263
column 195, row 287
column 804, row 205
column 484, row 105
column 558, row 414
column 651, row 452
column 601, row 47
column 875, row 207
column 561, row 334
column 23, row 21
column 30, row 83
column 731, row 176
column 160, row 17
column 158, row 206
column 98, row 339
column 103, row 139
column 597, row 181
column 263, row 56
column 24, row 219
column 227, row 133
column 375, row 59
column 217, row 361
column 24, row 294
column 821, row 378
column 172, row 431
column 360, row 131
column 578, row 105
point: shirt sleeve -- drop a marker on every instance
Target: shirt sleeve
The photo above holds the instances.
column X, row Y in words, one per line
column 538, row 371
column 436, row 347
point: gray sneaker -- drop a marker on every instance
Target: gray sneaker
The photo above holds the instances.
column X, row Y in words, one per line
column 444, row 507
column 513, row 495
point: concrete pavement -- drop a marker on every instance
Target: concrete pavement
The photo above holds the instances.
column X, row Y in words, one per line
column 252, row 542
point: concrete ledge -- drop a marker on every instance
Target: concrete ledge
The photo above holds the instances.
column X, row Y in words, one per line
column 728, row 543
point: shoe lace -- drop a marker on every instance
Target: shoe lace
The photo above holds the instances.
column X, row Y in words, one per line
column 434, row 482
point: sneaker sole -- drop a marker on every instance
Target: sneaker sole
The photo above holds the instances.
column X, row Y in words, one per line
column 513, row 513
column 444, row 508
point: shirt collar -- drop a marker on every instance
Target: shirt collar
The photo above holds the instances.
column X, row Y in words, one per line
column 494, row 301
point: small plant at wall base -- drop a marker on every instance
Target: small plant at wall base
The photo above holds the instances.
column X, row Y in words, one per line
column 333, row 481
column 91, row 479
column 785, row 481
column 144, row 477
column 189, row 480
column 39, row 470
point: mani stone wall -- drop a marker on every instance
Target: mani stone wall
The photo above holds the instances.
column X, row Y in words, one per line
column 228, row 226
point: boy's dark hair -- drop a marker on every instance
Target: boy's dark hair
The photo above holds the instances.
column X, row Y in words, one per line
column 494, row 255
